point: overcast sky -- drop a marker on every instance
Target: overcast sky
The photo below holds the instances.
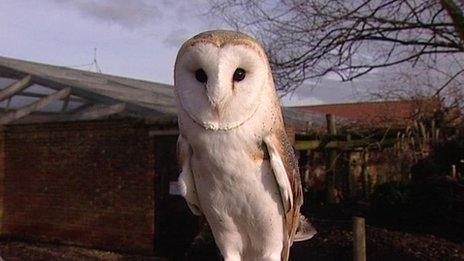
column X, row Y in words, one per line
column 134, row 38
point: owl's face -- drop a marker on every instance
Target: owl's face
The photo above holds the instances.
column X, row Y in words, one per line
column 219, row 78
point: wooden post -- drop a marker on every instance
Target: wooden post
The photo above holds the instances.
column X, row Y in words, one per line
column 365, row 174
column 351, row 178
column 354, row 170
column 453, row 171
column 331, row 163
column 331, row 124
column 359, row 239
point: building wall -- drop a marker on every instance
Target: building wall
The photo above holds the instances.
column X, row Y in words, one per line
column 176, row 224
column 85, row 183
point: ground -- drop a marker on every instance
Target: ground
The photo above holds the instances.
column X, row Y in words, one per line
column 18, row 250
column 333, row 242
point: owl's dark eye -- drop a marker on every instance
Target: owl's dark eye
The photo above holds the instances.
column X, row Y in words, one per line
column 201, row 76
column 239, row 74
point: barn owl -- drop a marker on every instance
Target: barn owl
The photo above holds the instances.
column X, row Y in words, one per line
column 238, row 168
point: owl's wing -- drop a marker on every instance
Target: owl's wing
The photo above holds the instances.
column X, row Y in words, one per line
column 285, row 168
column 186, row 181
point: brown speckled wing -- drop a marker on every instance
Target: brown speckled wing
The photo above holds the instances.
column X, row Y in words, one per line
column 280, row 149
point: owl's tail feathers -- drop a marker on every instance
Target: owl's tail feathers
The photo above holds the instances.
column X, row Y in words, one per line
column 305, row 230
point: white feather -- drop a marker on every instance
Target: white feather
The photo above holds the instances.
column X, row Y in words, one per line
column 186, row 181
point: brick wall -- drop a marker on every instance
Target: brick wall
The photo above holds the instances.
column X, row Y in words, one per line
column 85, row 183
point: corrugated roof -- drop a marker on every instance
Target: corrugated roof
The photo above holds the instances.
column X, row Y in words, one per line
column 141, row 96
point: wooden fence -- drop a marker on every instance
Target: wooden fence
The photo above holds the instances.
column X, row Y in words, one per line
column 333, row 144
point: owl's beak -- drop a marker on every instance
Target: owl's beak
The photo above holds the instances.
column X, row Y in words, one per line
column 214, row 102
column 216, row 95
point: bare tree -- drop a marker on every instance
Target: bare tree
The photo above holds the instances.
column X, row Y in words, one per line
column 311, row 38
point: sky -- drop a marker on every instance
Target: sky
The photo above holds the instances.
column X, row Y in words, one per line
column 136, row 38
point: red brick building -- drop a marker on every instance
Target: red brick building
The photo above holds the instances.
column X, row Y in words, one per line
column 393, row 114
column 86, row 159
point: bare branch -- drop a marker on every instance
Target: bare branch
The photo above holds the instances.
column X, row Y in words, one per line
column 307, row 39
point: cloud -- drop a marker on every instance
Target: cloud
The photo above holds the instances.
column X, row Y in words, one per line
column 328, row 90
column 297, row 100
column 131, row 14
column 176, row 37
